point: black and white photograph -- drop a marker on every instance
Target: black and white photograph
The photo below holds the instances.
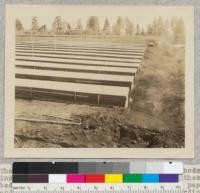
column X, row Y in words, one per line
column 116, row 80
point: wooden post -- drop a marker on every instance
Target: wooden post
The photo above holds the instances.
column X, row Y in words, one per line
column 54, row 42
column 32, row 42
column 132, row 84
column 98, row 102
column 127, row 100
column 75, row 96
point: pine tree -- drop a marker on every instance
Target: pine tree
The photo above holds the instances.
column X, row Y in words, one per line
column 35, row 24
column 93, row 24
column 179, row 31
column 149, row 29
column 138, row 30
column 58, row 25
column 120, row 21
column 160, row 26
column 69, row 26
column 129, row 27
column 43, row 28
column 19, row 26
column 174, row 21
column 79, row 25
column 142, row 31
column 119, row 26
column 106, row 27
column 166, row 27
column 154, row 27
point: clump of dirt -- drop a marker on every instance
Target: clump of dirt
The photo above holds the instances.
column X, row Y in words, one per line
column 123, row 133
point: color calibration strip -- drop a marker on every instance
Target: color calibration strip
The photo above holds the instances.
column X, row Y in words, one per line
column 90, row 172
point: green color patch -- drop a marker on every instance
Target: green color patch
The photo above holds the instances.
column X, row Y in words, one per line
column 132, row 178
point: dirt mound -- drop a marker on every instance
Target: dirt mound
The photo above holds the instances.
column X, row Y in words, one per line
column 97, row 130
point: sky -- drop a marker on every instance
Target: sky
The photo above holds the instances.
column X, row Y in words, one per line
column 142, row 15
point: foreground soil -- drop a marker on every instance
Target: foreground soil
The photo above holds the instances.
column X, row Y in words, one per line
column 88, row 126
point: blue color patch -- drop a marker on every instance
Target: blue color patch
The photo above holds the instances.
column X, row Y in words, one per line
column 150, row 178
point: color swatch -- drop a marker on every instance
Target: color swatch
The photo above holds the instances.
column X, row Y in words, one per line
column 130, row 178
column 113, row 178
column 95, row 178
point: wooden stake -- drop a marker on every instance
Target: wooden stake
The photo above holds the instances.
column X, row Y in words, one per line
column 52, row 116
column 48, row 121
column 98, row 99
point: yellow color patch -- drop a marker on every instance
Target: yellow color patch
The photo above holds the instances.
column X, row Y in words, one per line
column 113, row 178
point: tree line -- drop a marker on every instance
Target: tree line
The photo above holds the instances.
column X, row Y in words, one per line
column 122, row 26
